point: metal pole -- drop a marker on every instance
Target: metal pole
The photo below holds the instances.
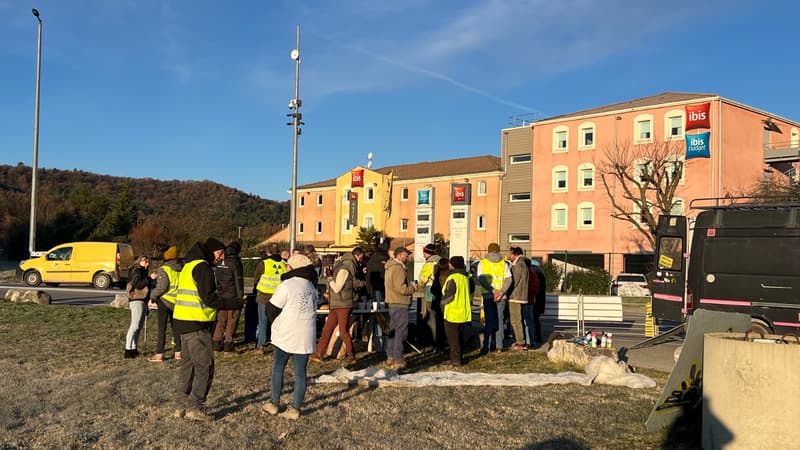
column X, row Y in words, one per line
column 32, row 237
column 296, row 129
column 613, row 193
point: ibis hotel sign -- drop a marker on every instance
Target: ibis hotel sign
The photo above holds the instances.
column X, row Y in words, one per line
column 698, row 117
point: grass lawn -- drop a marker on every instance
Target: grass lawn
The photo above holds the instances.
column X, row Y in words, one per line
column 66, row 385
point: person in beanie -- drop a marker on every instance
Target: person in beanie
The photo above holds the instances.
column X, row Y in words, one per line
column 195, row 311
column 457, row 305
column 164, row 294
column 398, row 299
column 494, row 278
column 292, row 310
column 230, row 285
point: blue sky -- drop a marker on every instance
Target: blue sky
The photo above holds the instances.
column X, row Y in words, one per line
column 198, row 89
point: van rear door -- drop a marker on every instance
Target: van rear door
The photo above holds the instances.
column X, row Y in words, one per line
column 669, row 283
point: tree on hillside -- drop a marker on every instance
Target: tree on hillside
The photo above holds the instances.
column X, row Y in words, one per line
column 118, row 222
column 641, row 180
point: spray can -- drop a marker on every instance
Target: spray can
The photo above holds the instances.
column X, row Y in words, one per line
column 593, row 341
column 609, row 340
column 603, row 341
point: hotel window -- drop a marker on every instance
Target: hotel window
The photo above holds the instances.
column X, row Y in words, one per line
column 403, row 225
column 586, row 174
column 673, row 124
column 586, row 216
column 346, row 196
column 677, row 207
column 519, row 238
column 558, row 217
column 586, row 133
column 481, row 188
column 319, row 199
column 560, row 174
column 520, row 197
column 319, row 227
column 346, row 227
column 643, row 132
column 481, row 222
column 300, row 228
column 643, row 170
column 636, row 214
column 521, row 159
column 675, row 166
column 560, row 139
column 370, row 194
column 794, row 139
column 369, row 222
column 404, row 194
column 302, row 201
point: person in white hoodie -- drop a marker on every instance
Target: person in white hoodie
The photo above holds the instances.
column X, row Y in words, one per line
column 292, row 310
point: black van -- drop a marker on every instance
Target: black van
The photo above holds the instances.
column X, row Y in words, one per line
column 744, row 258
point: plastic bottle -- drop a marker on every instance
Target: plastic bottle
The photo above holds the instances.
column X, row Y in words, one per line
column 593, row 341
column 603, row 341
column 609, row 340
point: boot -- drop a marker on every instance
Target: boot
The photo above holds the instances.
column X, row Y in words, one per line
column 130, row 354
column 228, row 347
column 217, row 346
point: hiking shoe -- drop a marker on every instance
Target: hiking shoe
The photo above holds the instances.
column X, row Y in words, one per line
column 291, row 413
column 179, row 413
column 129, row 354
column 227, row 347
column 178, row 356
column 270, row 408
column 198, row 415
column 517, row 347
column 348, row 359
column 158, row 357
column 218, row 346
column 315, row 358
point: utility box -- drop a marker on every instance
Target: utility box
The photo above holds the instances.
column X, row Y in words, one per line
column 750, row 391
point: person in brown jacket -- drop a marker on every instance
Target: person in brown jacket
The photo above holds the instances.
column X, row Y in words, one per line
column 398, row 299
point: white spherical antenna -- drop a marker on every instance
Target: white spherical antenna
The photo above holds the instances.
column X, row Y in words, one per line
column 294, row 54
column 369, row 160
column 369, row 155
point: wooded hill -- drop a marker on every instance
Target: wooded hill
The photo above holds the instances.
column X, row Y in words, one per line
column 150, row 214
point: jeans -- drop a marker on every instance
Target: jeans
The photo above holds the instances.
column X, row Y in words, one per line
column 250, row 319
column 530, row 324
column 398, row 332
column 490, row 326
column 164, row 317
column 197, row 368
column 279, row 360
column 138, row 315
column 263, row 332
column 500, row 334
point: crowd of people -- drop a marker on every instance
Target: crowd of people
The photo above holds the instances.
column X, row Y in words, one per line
column 202, row 296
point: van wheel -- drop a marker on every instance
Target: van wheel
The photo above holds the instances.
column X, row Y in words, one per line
column 759, row 326
column 101, row 281
column 33, row 278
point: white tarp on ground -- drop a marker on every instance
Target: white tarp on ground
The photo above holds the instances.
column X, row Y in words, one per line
column 601, row 369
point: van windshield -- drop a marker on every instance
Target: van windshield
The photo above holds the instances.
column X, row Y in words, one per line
column 630, row 279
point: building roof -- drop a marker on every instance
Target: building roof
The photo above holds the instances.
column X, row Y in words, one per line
column 430, row 169
column 652, row 100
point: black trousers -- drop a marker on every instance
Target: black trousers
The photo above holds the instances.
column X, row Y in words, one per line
column 197, row 368
column 455, row 337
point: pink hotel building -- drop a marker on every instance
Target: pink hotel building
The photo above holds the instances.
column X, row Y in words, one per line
column 567, row 212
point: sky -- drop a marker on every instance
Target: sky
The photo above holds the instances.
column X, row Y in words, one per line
column 198, row 89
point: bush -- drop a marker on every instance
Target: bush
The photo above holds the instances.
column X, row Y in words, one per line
column 552, row 274
column 594, row 281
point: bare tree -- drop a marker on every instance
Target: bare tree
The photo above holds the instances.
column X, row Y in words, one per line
column 641, row 180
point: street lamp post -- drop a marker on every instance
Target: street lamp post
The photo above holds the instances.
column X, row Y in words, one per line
column 32, row 237
column 294, row 105
column 614, row 193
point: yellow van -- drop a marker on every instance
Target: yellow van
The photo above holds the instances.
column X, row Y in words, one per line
column 96, row 263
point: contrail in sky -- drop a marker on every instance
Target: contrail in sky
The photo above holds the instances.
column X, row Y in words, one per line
column 429, row 73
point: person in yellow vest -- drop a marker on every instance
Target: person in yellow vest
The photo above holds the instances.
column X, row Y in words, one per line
column 193, row 318
column 457, row 305
column 267, row 277
column 494, row 278
column 164, row 294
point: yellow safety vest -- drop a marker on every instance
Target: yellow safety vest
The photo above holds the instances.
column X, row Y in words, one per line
column 188, row 305
column 271, row 277
column 426, row 273
column 172, row 293
column 460, row 309
column 496, row 270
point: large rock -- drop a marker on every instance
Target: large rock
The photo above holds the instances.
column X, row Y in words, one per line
column 564, row 351
column 28, row 296
column 120, row 301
